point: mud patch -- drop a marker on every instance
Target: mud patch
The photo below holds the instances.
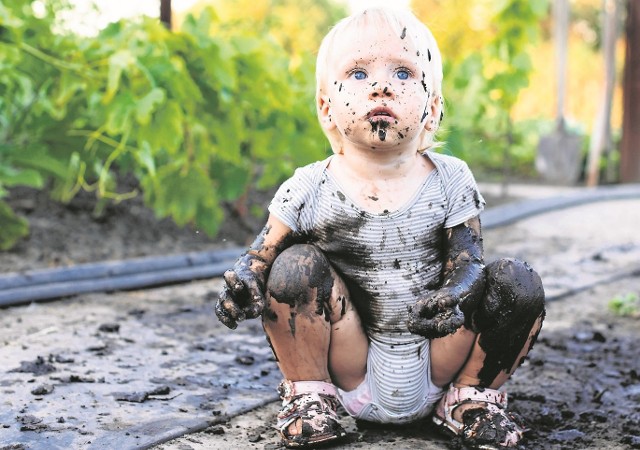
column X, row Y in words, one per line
column 579, row 390
column 168, row 371
column 598, row 373
column 37, row 367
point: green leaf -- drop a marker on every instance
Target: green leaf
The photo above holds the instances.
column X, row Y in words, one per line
column 119, row 62
column 119, row 114
column 232, row 180
column 187, row 196
column 539, row 7
column 165, row 132
column 24, row 177
column 8, row 18
column 522, row 62
column 144, row 156
column 147, row 104
column 68, row 85
column 35, row 157
column 13, row 227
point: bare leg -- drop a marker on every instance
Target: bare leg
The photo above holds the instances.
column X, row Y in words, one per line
column 310, row 321
column 311, row 324
column 508, row 319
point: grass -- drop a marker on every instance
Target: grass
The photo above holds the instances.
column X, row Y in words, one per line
column 626, row 305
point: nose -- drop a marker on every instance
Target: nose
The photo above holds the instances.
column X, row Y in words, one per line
column 379, row 90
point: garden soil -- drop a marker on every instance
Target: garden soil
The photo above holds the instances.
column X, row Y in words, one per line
column 154, row 369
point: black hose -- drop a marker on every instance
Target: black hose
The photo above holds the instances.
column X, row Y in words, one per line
column 107, row 269
column 512, row 212
column 16, row 296
column 48, row 284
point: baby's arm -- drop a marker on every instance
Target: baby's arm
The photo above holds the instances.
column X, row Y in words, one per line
column 447, row 309
column 242, row 297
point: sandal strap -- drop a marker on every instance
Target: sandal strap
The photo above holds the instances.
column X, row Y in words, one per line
column 288, row 389
column 314, row 403
column 457, row 396
column 496, row 404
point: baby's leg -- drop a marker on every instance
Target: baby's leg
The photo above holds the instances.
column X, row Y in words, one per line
column 508, row 319
column 311, row 324
column 317, row 338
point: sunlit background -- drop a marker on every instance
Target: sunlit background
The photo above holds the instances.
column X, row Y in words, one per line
column 223, row 103
column 585, row 71
column 91, row 15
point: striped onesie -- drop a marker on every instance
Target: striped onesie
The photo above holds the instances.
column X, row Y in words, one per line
column 389, row 260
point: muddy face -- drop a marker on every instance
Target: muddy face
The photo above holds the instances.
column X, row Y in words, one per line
column 378, row 90
column 379, row 127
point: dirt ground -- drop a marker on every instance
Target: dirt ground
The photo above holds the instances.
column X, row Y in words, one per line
column 64, row 235
column 580, row 388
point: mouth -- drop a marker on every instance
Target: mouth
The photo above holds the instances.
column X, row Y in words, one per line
column 380, row 114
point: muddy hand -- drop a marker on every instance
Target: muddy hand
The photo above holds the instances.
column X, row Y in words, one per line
column 240, row 299
column 227, row 310
column 436, row 316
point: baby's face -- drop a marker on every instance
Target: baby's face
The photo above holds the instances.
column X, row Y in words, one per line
column 379, row 92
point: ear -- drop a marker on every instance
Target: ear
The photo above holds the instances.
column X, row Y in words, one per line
column 324, row 113
column 435, row 107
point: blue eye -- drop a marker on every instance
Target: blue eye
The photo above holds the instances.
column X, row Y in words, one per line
column 359, row 74
column 402, row 74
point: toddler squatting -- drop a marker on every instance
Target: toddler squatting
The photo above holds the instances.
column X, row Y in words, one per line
column 369, row 273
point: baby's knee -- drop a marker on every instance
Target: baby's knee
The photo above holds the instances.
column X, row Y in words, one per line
column 513, row 291
column 300, row 274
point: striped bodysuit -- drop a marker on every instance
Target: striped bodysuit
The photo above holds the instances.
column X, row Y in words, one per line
column 390, row 260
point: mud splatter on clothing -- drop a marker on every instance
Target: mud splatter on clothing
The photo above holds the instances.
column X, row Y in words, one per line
column 388, row 260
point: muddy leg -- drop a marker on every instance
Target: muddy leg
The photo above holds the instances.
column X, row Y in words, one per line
column 310, row 322
column 508, row 320
column 312, row 327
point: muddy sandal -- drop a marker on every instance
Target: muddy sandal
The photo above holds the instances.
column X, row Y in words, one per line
column 489, row 426
column 315, row 404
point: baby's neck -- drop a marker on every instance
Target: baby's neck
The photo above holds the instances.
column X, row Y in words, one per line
column 382, row 164
column 381, row 182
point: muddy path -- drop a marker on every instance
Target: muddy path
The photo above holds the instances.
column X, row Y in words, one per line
column 580, row 389
column 154, row 369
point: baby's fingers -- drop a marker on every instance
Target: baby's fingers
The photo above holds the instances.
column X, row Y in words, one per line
column 444, row 300
column 423, row 309
column 256, row 300
column 235, row 285
column 228, row 311
column 448, row 321
column 418, row 325
column 442, row 324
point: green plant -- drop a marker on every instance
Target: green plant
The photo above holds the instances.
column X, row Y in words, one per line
column 196, row 116
column 627, row 305
column 482, row 85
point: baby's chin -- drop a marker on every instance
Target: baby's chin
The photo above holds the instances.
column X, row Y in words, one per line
column 380, row 136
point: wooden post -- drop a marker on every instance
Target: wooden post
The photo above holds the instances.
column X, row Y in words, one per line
column 165, row 13
column 601, row 134
column 630, row 146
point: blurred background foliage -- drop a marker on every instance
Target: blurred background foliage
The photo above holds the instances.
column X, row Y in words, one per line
column 195, row 118
column 500, row 79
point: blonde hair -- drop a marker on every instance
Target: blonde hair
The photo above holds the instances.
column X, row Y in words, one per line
column 402, row 22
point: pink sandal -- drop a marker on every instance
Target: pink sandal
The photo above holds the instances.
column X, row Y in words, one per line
column 488, row 426
column 315, row 404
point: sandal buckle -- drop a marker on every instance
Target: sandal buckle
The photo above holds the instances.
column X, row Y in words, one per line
column 286, row 389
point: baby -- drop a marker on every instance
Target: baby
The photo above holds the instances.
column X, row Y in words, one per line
column 369, row 273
